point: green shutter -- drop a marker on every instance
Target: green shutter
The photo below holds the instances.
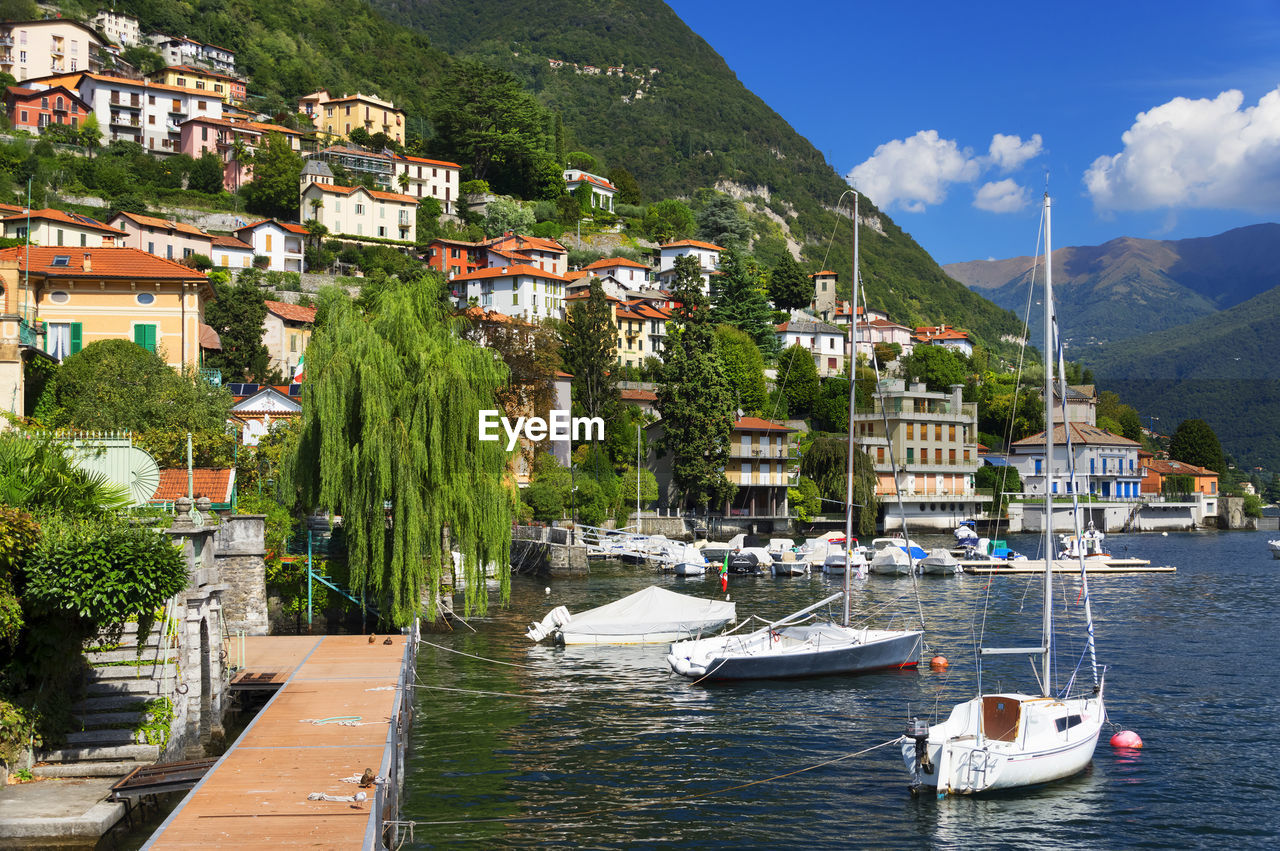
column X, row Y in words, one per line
column 145, row 336
column 77, row 337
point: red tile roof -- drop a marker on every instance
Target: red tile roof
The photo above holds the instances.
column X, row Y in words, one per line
column 929, row 333
column 291, row 312
column 103, row 263
column 509, row 271
column 409, row 159
column 638, row 395
column 1081, row 433
column 611, row 262
column 66, row 218
column 217, row 485
column 291, row 227
column 231, row 242
column 692, row 243
column 153, row 222
column 1175, row 468
column 823, row 272
column 757, row 424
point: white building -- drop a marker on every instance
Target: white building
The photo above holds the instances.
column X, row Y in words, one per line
column 231, row 253
column 519, row 291
column 629, row 273
column 33, row 49
column 282, row 242
column 179, row 50
column 945, row 336
column 602, row 191
column 353, row 212
column 707, row 254
column 118, row 27
column 54, row 227
column 1106, row 464
column 515, row 249
column 428, row 179
column 826, row 343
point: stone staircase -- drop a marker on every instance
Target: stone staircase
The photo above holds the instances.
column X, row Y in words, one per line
column 119, row 686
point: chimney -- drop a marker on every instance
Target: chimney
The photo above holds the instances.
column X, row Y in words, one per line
column 88, row 262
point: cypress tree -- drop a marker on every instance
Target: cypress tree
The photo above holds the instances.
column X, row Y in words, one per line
column 740, row 299
column 589, row 340
column 390, row 441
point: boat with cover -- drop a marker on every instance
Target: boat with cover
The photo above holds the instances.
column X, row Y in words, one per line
column 939, row 562
column 1008, row 739
column 796, row 645
column 895, row 556
column 651, row 616
column 1088, row 545
column 1275, row 548
column 966, row 534
column 750, row 561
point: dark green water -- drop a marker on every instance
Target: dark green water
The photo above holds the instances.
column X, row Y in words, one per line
column 603, row 747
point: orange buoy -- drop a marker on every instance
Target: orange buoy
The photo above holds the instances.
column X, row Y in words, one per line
column 1126, row 739
column 939, row 663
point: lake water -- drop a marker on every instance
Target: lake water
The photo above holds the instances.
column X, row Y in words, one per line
column 603, row 747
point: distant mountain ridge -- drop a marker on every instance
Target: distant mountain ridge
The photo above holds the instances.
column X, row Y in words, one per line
column 1128, row 287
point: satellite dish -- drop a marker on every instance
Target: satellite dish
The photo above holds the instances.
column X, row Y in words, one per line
column 144, row 475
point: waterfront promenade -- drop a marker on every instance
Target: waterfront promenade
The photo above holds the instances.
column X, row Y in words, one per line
column 341, row 709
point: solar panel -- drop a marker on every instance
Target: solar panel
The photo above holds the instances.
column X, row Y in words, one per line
column 242, row 389
column 295, row 390
column 62, row 260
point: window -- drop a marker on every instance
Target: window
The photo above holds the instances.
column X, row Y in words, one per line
column 177, row 105
column 951, row 433
column 911, row 455
column 911, row 431
column 59, row 297
column 24, row 116
column 44, row 103
column 1039, row 461
column 937, row 457
column 359, row 209
column 879, row 454
column 65, row 338
column 145, row 336
column 937, row 432
column 293, row 342
column 145, row 298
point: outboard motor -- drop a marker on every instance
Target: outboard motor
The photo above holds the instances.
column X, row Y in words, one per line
column 919, row 730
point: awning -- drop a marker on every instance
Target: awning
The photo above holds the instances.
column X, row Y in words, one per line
column 209, row 339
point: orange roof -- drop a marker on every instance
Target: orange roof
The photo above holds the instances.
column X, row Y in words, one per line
column 11, row 208
column 692, row 243
column 153, row 222
column 939, row 332
column 524, row 243
column 1080, row 433
column 1174, row 468
column 610, row 262
column 217, row 485
column 583, row 177
column 508, row 271
column 67, row 218
column 638, row 395
column 142, row 84
column 757, row 424
column 188, row 69
column 823, row 272
column 407, row 158
column 291, row 312
column 292, row 227
column 230, row 242
column 372, row 193
column 103, row 263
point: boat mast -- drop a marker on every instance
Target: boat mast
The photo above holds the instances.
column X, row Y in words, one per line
column 1047, row 637
column 853, row 360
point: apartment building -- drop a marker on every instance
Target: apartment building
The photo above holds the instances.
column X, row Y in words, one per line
column 32, row 49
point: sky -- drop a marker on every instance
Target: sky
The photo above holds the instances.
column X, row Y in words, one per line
column 1143, row 119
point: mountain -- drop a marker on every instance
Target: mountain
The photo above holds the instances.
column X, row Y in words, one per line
column 1128, row 287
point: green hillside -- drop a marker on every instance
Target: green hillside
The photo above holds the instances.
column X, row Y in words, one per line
column 689, row 125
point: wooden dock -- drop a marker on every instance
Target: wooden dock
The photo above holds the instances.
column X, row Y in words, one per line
column 256, row 796
column 990, row 567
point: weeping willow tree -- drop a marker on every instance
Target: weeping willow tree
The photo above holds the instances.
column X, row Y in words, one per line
column 390, row 442
column 827, row 463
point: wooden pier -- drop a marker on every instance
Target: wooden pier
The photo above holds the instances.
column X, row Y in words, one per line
column 342, row 705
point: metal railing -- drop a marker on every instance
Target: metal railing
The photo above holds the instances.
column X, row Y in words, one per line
column 30, row 335
column 213, row 376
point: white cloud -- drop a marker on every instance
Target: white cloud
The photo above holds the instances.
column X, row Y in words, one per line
column 915, row 172
column 1195, row 153
column 1001, row 196
column 1008, row 153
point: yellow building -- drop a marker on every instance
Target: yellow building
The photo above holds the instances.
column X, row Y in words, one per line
column 78, row 296
column 336, row 117
column 224, row 87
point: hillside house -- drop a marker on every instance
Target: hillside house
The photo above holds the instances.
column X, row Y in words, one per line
column 359, row 214
column 520, row 291
column 56, row 228
column 1156, row 471
column 286, row 332
column 707, row 254
column 602, row 191
column 423, row 178
column 629, row 273
column 824, row 295
column 31, row 49
column 336, row 117
column 283, row 243
column 229, row 138
column 825, row 343
column 1106, row 464
column 180, row 50
column 945, row 336
column 119, row 28
column 231, row 253
column 161, row 237
column 35, row 109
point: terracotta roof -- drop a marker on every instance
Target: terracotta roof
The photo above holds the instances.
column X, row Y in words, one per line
column 103, row 262
column 291, row 227
column 508, row 271
column 67, row 218
column 11, row 208
column 189, row 69
column 1081, row 433
column 372, row 193
column 1175, row 468
column 153, row 222
column 217, row 485
column 823, row 272
column 524, row 243
column 592, row 179
column 757, row 424
column 444, row 163
column 231, row 242
column 291, row 312
column 611, row 262
column 692, row 243
column 929, row 333
column 638, row 395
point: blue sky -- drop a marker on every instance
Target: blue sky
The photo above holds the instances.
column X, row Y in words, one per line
column 951, row 115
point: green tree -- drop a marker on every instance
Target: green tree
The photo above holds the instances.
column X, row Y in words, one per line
column 668, row 221
column 790, row 287
column 722, row 221
column 277, row 169
column 743, row 368
column 826, row 463
column 805, row 499
column 549, row 488
column 831, row 410
column 580, row 160
column 1120, row 418
column 588, row 343
column 740, row 299
column 798, row 380
column 627, row 186
column 206, row 174
column 937, row 366
column 503, row 215
column 1194, row 442
column 694, row 397
column 237, row 313
column 389, row 441
column 1001, row 481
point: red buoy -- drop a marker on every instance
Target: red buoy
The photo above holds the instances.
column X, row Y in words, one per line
column 1126, row 739
column 939, row 663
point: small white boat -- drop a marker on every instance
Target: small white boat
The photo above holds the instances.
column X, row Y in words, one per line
column 1088, row 545
column 651, row 616
column 895, row 557
column 835, row 561
column 789, row 564
column 940, row 562
column 689, row 568
column 966, row 534
column 1275, row 548
column 716, row 551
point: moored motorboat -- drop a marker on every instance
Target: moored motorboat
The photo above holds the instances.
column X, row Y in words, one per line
column 939, row 562
column 966, row 534
column 650, row 616
column 789, row 564
column 1275, row 548
column 750, row 561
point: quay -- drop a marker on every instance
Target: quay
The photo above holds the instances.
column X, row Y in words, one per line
column 990, row 567
column 342, row 704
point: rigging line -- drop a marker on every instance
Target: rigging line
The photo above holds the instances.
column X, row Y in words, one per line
column 832, row 240
column 641, row 805
column 481, row 658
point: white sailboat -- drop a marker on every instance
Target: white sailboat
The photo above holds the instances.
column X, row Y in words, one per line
column 794, row 646
column 1013, row 739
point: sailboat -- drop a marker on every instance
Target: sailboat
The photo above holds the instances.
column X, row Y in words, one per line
column 795, row 646
column 1013, row 739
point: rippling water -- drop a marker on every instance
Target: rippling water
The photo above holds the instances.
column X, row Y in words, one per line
column 602, row 747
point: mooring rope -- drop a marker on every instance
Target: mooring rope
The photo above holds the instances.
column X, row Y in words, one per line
column 665, row 801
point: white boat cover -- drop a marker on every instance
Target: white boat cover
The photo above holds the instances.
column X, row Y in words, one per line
column 651, row 615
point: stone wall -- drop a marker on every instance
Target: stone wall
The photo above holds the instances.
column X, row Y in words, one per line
column 239, row 546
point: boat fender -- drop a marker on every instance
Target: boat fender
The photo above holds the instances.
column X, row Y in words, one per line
column 775, row 636
column 1126, row 739
column 939, row 663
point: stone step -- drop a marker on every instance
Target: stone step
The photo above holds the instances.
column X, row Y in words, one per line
column 140, row 688
column 102, row 737
column 128, row 654
column 101, row 719
column 128, row 642
column 103, row 753
column 114, row 768
column 131, row 672
column 110, row 703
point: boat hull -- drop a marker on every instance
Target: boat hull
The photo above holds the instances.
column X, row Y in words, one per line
column 689, row 569
column 805, row 654
column 790, row 568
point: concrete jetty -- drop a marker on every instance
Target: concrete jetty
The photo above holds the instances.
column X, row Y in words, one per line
column 344, row 705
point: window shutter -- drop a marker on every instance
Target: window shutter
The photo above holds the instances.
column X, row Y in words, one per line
column 145, row 336
column 77, row 337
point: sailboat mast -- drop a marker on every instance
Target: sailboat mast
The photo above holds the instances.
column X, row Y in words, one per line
column 853, row 360
column 1047, row 637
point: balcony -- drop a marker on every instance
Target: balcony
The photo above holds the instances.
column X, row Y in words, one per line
column 119, row 120
column 213, row 376
column 29, row 334
column 6, row 41
column 765, row 454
